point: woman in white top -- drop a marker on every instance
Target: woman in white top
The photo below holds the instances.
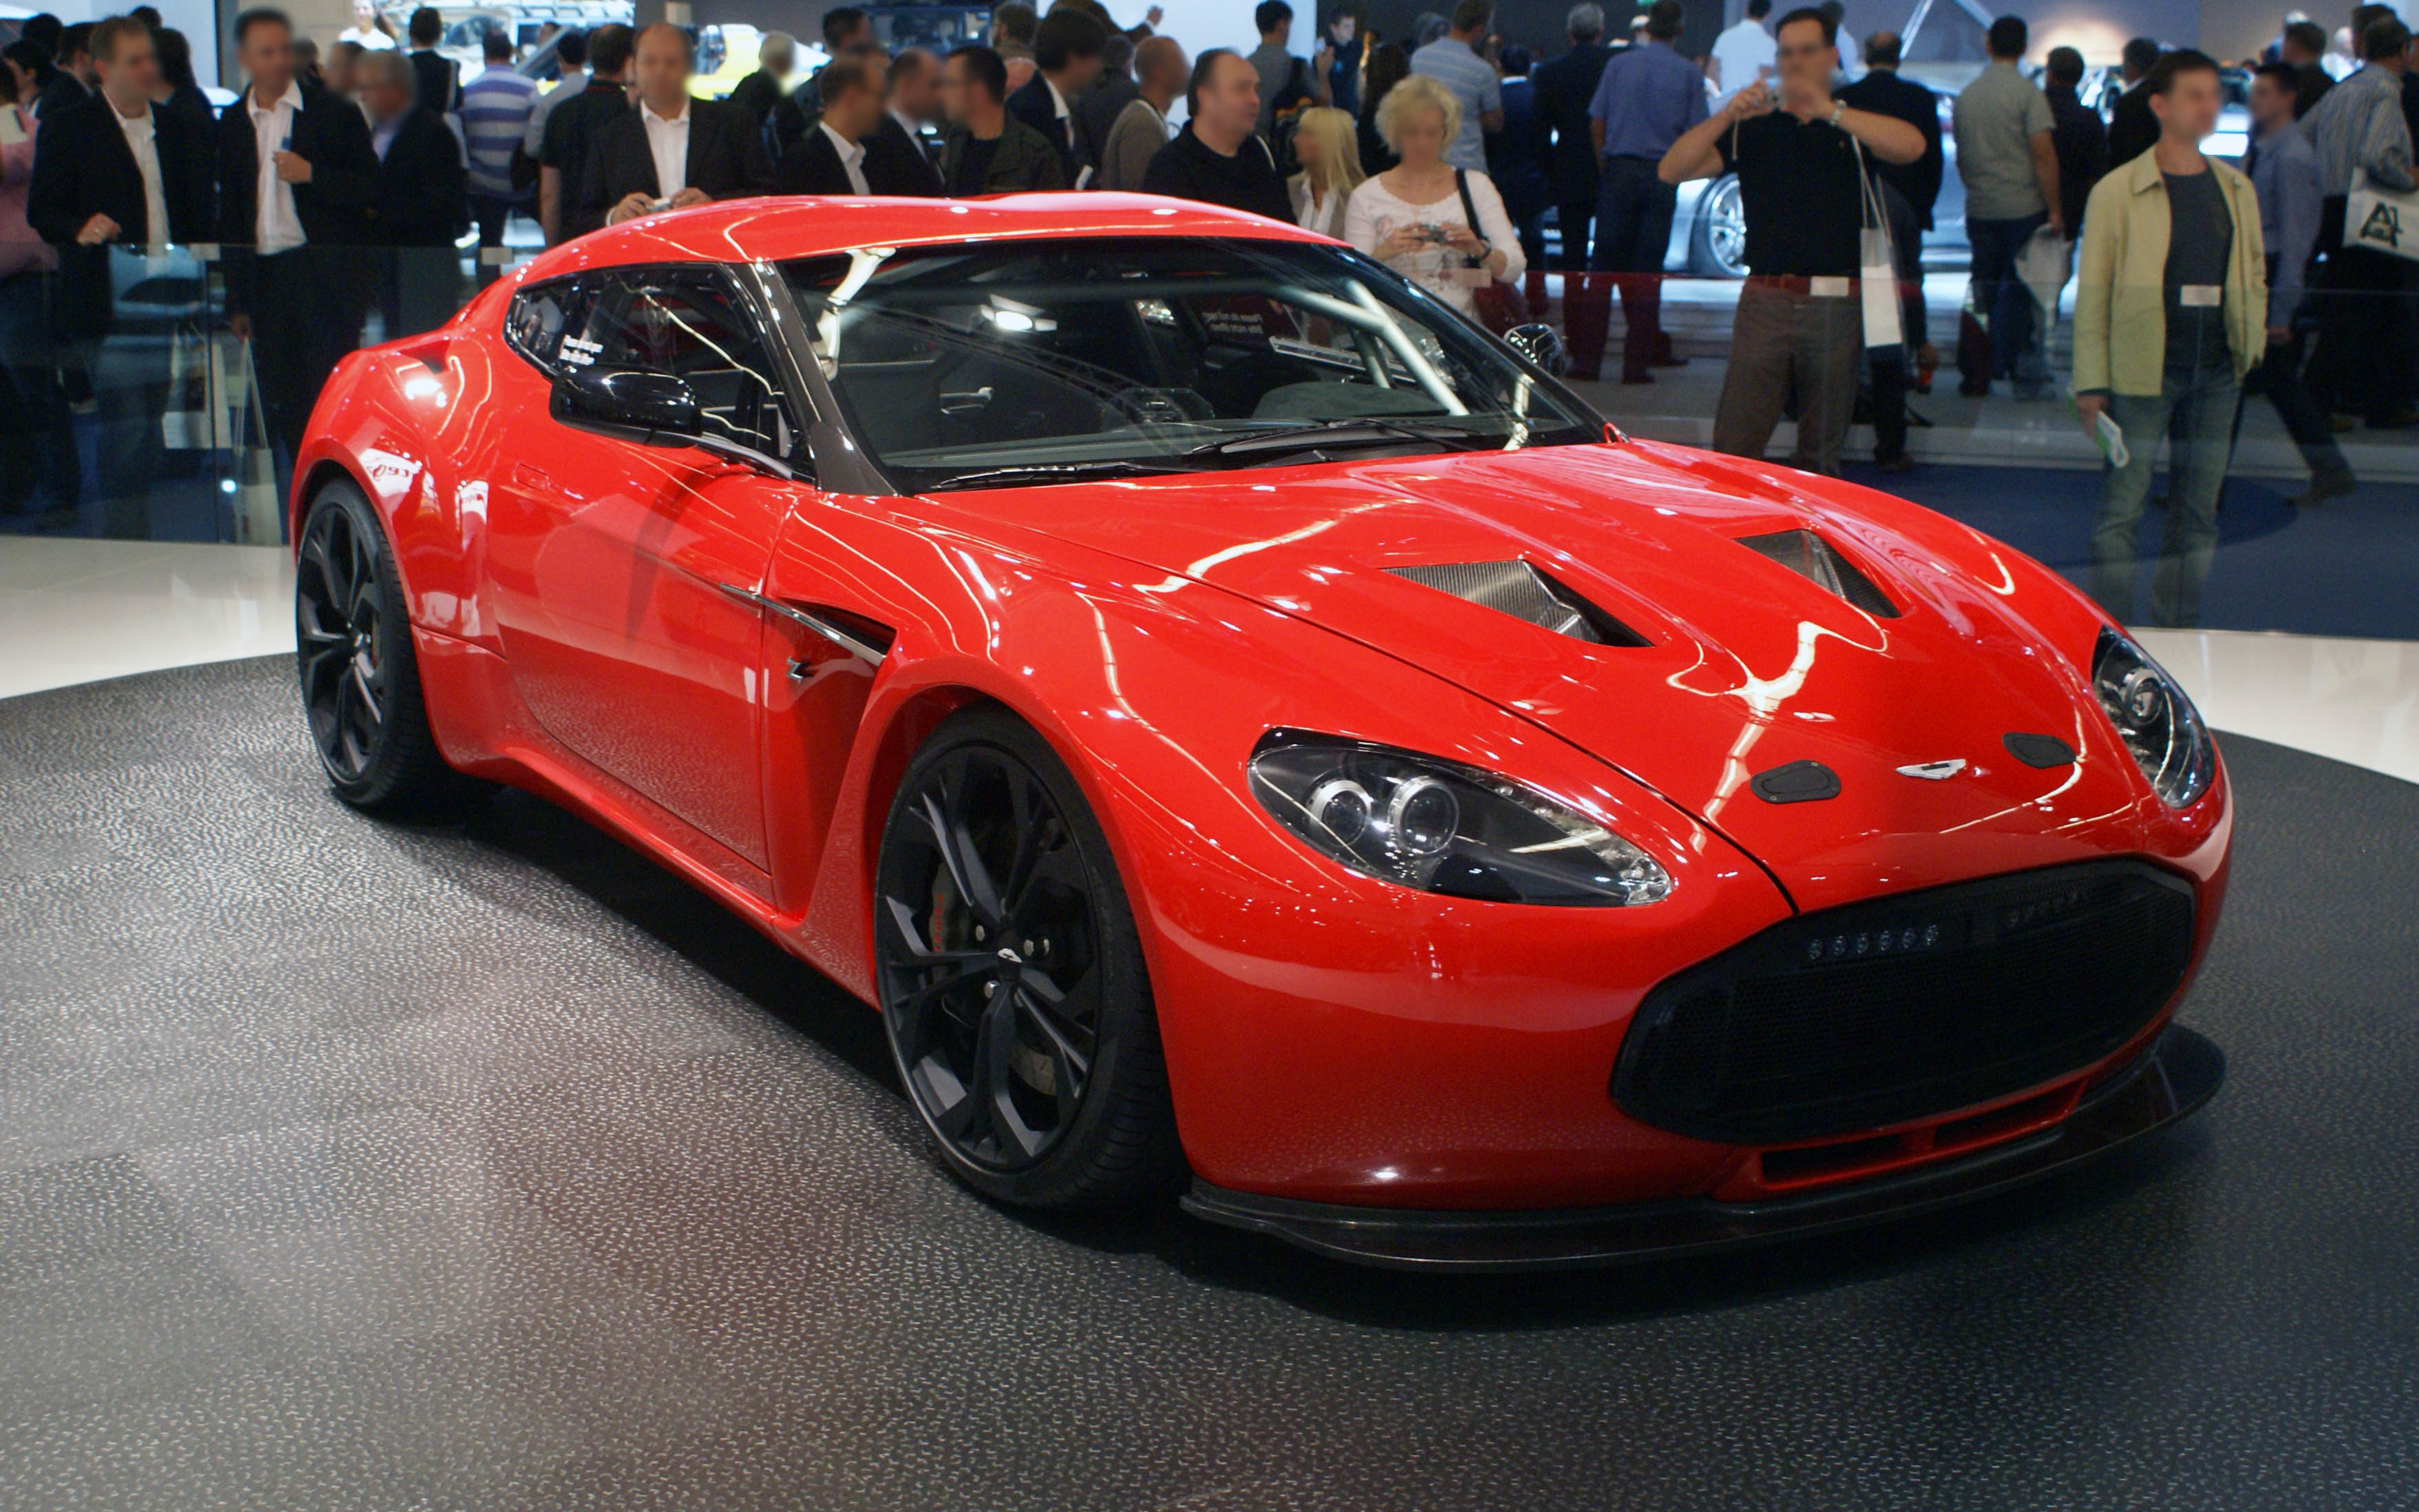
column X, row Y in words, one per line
column 370, row 31
column 1410, row 217
column 1327, row 143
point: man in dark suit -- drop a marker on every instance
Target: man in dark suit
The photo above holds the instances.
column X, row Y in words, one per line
column 1066, row 58
column 1098, row 108
column 421, row 202
column 672, row 151
column 897, row 160
column 2077, row 134
column 1565, row 86
column 2132, row 129
column 115, row 171
column 572, row 129
column 2305, row 43
column 296, row 178
column 765, row 100
column 67, row 80
column 439, row 77
column 833, row 159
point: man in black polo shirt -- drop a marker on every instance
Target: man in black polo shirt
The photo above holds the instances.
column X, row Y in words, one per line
column 1217, row 158
column 571, row 131
column 1799, row 323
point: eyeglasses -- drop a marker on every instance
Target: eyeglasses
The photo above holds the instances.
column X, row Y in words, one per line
column 1805, row 50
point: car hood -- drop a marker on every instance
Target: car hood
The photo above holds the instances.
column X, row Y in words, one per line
column 1745, row 666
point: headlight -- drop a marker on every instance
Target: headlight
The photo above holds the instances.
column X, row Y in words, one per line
column 2158, row 724
column 1441, row 826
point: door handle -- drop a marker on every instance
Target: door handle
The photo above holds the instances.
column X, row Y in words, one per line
column 530, row 477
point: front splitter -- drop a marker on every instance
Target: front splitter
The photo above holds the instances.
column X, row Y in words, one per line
column 2182, row 1071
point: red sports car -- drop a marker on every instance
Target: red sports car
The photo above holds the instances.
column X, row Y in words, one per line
column 1252, row 734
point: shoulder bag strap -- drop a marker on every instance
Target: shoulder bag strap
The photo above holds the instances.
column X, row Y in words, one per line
column 1469, row 206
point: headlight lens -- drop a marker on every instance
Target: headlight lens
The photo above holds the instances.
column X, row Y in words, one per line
column 1443, row 828
column 2158, row 724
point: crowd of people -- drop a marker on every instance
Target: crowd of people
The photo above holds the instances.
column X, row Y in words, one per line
column 2197, row 283
column 1439, row 155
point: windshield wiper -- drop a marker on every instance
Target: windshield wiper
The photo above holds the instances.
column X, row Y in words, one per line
column 1360, row 430
column 1050, row 472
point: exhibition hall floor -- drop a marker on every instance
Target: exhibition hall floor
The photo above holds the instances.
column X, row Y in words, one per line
column 482, row 1163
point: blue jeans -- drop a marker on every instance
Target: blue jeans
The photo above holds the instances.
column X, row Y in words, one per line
column 2004, row 303
column 2195, row 408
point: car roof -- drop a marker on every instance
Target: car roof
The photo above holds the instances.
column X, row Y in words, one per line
column 780, row 228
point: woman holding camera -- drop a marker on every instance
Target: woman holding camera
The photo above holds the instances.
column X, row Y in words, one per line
column 1439, row 227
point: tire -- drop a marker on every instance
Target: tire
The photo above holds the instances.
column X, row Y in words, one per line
column 1012, row 986
column 355, row 659
column 1717, row 231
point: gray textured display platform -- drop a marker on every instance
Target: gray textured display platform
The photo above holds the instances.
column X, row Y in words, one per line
column 353, row 1165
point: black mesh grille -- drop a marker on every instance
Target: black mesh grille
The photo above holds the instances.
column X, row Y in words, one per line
column 1907, row 1007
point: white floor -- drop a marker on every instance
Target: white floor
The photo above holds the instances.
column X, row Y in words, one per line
column 77, row 611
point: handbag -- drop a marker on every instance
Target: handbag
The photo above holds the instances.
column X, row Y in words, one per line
column 1876, row 262
column 2382, row 220
column 1495, row 302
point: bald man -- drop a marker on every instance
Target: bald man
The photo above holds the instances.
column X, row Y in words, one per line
column 672, row 151
column 1161, row 69
column 898, row 158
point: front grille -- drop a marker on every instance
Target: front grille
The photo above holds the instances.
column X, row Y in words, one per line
column 1909, row 1007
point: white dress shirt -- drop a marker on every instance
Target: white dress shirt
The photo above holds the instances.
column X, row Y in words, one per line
column 851, row 157
column 668, row 141
column 142, row 140
column 275, row 225
column 370, row 41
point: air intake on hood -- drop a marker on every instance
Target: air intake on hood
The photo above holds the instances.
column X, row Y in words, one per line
column 1520, row 589
column 1812, row 557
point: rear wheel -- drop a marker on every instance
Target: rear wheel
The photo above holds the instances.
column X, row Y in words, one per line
column 1011, row 978
column 361, row 682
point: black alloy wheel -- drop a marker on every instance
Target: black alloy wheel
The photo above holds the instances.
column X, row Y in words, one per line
column 1011, row 979
column 361, row 683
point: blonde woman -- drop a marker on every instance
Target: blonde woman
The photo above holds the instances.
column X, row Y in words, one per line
column 1417, row 216
column 1326, row 142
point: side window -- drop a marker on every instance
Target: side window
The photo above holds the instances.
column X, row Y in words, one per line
column 539, row 319
column 694, row 326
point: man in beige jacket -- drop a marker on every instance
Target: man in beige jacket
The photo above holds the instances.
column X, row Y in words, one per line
column 2170, row 312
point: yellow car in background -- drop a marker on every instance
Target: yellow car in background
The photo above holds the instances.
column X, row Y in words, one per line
column 726, row 53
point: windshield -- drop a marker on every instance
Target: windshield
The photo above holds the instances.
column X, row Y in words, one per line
column 997, row 364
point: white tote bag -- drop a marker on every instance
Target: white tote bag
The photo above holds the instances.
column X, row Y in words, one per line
column 2382, row 220
column 1876, row 263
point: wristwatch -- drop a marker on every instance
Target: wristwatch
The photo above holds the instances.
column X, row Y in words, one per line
column 1837, row 106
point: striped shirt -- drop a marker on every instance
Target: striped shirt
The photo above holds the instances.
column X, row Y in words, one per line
column 1473, row 81
column 496, row 109
column 2359, row 124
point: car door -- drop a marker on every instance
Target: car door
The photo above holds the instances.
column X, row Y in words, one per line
column 622, row 568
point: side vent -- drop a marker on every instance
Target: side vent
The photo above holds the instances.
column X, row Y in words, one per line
column 1520, row 589
column 1812, row 558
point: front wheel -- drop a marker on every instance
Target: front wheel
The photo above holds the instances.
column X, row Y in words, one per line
column 361, row 682
column 1011, row 978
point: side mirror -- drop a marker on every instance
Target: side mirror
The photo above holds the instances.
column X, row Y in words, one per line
column 656, row 408
column 1542, row 344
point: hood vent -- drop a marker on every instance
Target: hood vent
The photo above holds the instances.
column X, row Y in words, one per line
column 1520, row 589
column 1812, row 558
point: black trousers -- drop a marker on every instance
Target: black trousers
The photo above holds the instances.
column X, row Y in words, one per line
column 306, row 309
column 1574, row 217
column 2363, row 363
column 492, row 212
column 2279, row 377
